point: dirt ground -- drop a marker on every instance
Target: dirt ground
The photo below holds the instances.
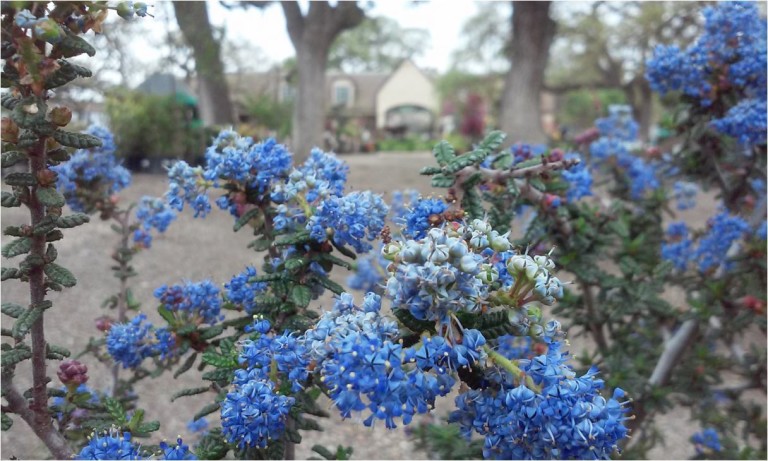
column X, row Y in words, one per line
column 195, row 249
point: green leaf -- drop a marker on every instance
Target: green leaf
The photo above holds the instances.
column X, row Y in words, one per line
column 72, row 45
column 10, row 200
column 25, row 321
column 493, row 140
column 7, row 422
column 13, row 157
column 211, row 332
column 49, row 196
column 186, row 329
column 17, row 247
column 344, row 250
column 324, row 452
column 218, row 360
column 13, row 231
column 440, row 180
column 218, row 375
column 59, row 155
column 293, row 239
column 20, row 179
column 331, row 285
column 14, row 356
column 65, row 74
column 146, row 428
column 206, row 410
column 47, row 224
column 333, row 259
column 11, row 273
column 245, row 218
column 13, row 310
column 76, row 140
column 301, row 295
column 60, row 275
column 9, row 101
column 260, row 245
column 50, row 253
column 430, row 170
column 73, row 220
column 293, row 264
column 212, row 446
column 58, row 350
column 186, row 365
column 166, row 314
column 443, row 153
column 116, row 410
column 192, row 391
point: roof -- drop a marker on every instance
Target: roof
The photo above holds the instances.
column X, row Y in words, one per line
column 366, row 87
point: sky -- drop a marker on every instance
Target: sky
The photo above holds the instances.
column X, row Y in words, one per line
column 265, row 29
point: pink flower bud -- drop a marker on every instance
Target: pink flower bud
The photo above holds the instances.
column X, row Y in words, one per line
column 72, row 372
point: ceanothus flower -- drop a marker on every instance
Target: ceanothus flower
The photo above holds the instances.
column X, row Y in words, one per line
column 152, row 213
column 91, row 175
column 111, row 445
column 579, row 180
column 707, row 440
column 417, row 219
column 186, row 185
column 678, row 248
column 685, row 194
column 192, row 301
column 349, row 220
column 241, row 290
column 130, row 343
column 713, row 247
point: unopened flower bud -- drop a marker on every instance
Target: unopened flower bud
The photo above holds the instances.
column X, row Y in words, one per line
column 125, row 10
column 60, row 116
column 48, row 30
column 46, row 178
column 140, row 8
column 103, row 323
column 25, row 19
column 10, row 130
column 72, row 372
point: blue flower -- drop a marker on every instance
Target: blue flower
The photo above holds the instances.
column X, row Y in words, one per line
column 130, row 343
column 192, row 301
column 241, row 290
column 708, row 439
column 685, row 194
column 111, row 445
column 418, row 219
column 370, row 272
column 579, row 178
column 349, row 220
column 713, row 247
column 198, row 425
column 152, row 213
column 185, row 186
column 253, row 413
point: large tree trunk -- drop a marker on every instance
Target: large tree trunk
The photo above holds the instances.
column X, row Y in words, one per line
column 532, row 34
column 312, row 36
column 215, row 104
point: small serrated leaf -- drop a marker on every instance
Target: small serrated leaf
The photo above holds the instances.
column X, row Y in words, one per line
column 13, row 310
column 60, row 275
column 47, row 224
column 188, row 392
column 218, row 360
column 260, row 245
column 331, row 285
column 17, row 247
column 49, row 196
column 186, row 365
column 211, row 332
column 14, row 356
column 72, row 45
column 73, row 220
column 293, row 264
column 146, row 428
column 11, row 158
column 24, row 323
column 430, row 170
column 217, row 375
column 441, row 180
column 301, row 295
column 9, row 101
column 443, row 152
column 7, row 422
column 245, row 218
column 206, row 410
column 10, row 200
column 10, row 273
column 76, row 140
column 293, row 239
column 116, row 410
column 166, row 314
column 20, row 179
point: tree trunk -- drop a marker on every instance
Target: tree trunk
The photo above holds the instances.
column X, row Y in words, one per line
column 532, row 34
column 215, row 104
column 312, row 36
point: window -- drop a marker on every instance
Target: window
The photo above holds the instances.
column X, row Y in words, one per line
column 342, row 94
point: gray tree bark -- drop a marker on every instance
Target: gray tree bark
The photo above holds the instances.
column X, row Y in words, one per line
column 532, row 33
column 215, row 104
column 312, row 36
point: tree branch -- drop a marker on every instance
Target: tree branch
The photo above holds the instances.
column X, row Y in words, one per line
column 294, row 21
column 52, row 439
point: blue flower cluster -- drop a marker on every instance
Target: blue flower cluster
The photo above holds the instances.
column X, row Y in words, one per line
column 185, row 185
column 401, row 203
column 440, row 275
column 566, row 419
column 327, row 168
column 152, row 213
column 253, row 411
column 579, row 180
column 130, row 343
column 418, row 219
column 241, row 290
column 198, row 302
column 91, row 175
column 111, row 445
column 364, row 367
column 707, row 440
column 729, row 56
column 618, row 133
column 712, row 249
column 349, row 220
column 522, row 152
